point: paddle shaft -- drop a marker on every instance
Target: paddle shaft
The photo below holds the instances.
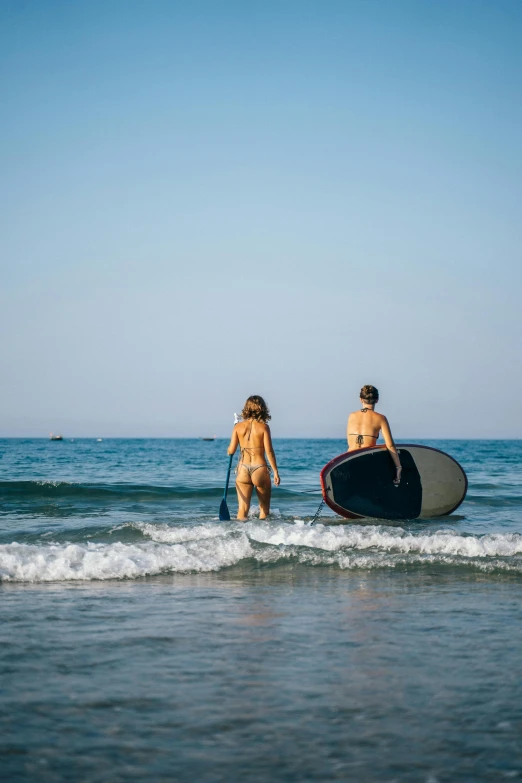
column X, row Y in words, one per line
column 228, row 477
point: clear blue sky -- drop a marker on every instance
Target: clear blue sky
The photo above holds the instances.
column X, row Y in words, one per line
column 206, row 200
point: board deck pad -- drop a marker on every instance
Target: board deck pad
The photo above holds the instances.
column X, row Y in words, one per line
column 360, row 483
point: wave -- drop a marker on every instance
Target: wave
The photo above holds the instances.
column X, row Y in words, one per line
column 215, row 546
column 508, row 498
column 45, row 491
column 64, row 489
column 50, row 489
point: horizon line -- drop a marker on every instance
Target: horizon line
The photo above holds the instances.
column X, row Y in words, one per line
column 69, row 439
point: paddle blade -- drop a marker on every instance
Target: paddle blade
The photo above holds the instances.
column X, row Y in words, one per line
column 224, row 513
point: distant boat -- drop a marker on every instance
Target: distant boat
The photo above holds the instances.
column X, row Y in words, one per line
column 212, row 438
column 55, row 437
column 99, row 440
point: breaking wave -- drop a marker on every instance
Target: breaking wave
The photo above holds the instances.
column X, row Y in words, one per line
column 214, row 546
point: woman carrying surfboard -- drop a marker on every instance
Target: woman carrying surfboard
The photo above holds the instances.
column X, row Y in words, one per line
column 252, row 435
column 365, row 425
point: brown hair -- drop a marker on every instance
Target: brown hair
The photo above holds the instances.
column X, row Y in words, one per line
column 256, row 408
column 369, row 394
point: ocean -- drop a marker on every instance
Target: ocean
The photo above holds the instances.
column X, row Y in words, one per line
column 143, row 640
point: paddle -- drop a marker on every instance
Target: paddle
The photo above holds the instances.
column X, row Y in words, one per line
column 224, row 513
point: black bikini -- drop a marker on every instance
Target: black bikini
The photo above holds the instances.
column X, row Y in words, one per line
column 360, row 438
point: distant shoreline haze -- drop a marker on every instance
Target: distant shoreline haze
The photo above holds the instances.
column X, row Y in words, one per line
column 218, row 438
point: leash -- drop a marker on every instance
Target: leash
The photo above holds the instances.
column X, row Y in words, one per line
column 316, row 515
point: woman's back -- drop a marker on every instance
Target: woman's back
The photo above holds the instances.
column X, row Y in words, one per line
column 251, row 435
column 364, row 426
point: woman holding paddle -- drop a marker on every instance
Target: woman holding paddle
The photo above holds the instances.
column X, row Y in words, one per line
column 252, row 435
column 365, row 424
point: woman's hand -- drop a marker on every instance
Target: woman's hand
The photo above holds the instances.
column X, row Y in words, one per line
column 277, row 480
column 397, row 479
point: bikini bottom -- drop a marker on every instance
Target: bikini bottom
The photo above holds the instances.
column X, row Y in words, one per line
column 251, row 468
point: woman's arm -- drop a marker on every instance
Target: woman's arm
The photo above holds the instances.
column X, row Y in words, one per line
column 269, row 451
column 234, row 442
column 348, row 431
column 390, row 445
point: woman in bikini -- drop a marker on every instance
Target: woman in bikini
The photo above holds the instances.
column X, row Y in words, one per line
column 365, row 424
column 252, row 435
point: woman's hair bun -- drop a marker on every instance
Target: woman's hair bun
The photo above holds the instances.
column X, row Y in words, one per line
column 369, row 393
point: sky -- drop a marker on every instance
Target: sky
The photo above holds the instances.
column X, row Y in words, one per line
column 202, row 201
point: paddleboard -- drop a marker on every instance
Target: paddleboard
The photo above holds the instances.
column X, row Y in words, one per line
column 359, row 483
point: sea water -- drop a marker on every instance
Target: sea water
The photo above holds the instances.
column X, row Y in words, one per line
column 142, row 639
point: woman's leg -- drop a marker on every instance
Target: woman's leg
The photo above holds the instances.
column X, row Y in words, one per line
column 244, row 494
column 263, row 485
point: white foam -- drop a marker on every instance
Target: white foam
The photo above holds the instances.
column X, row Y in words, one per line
column 255, row 510
column 65, row 562
column 378, row 537
column 51, row 483
column 173, row 535
column 332, row 538
column 212, row 546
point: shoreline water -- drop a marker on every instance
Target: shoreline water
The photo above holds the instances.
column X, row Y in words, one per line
column 142, row 639
column 288, row 674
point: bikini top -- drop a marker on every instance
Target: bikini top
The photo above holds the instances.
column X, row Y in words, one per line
column 250, row 448
column 359, row 436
